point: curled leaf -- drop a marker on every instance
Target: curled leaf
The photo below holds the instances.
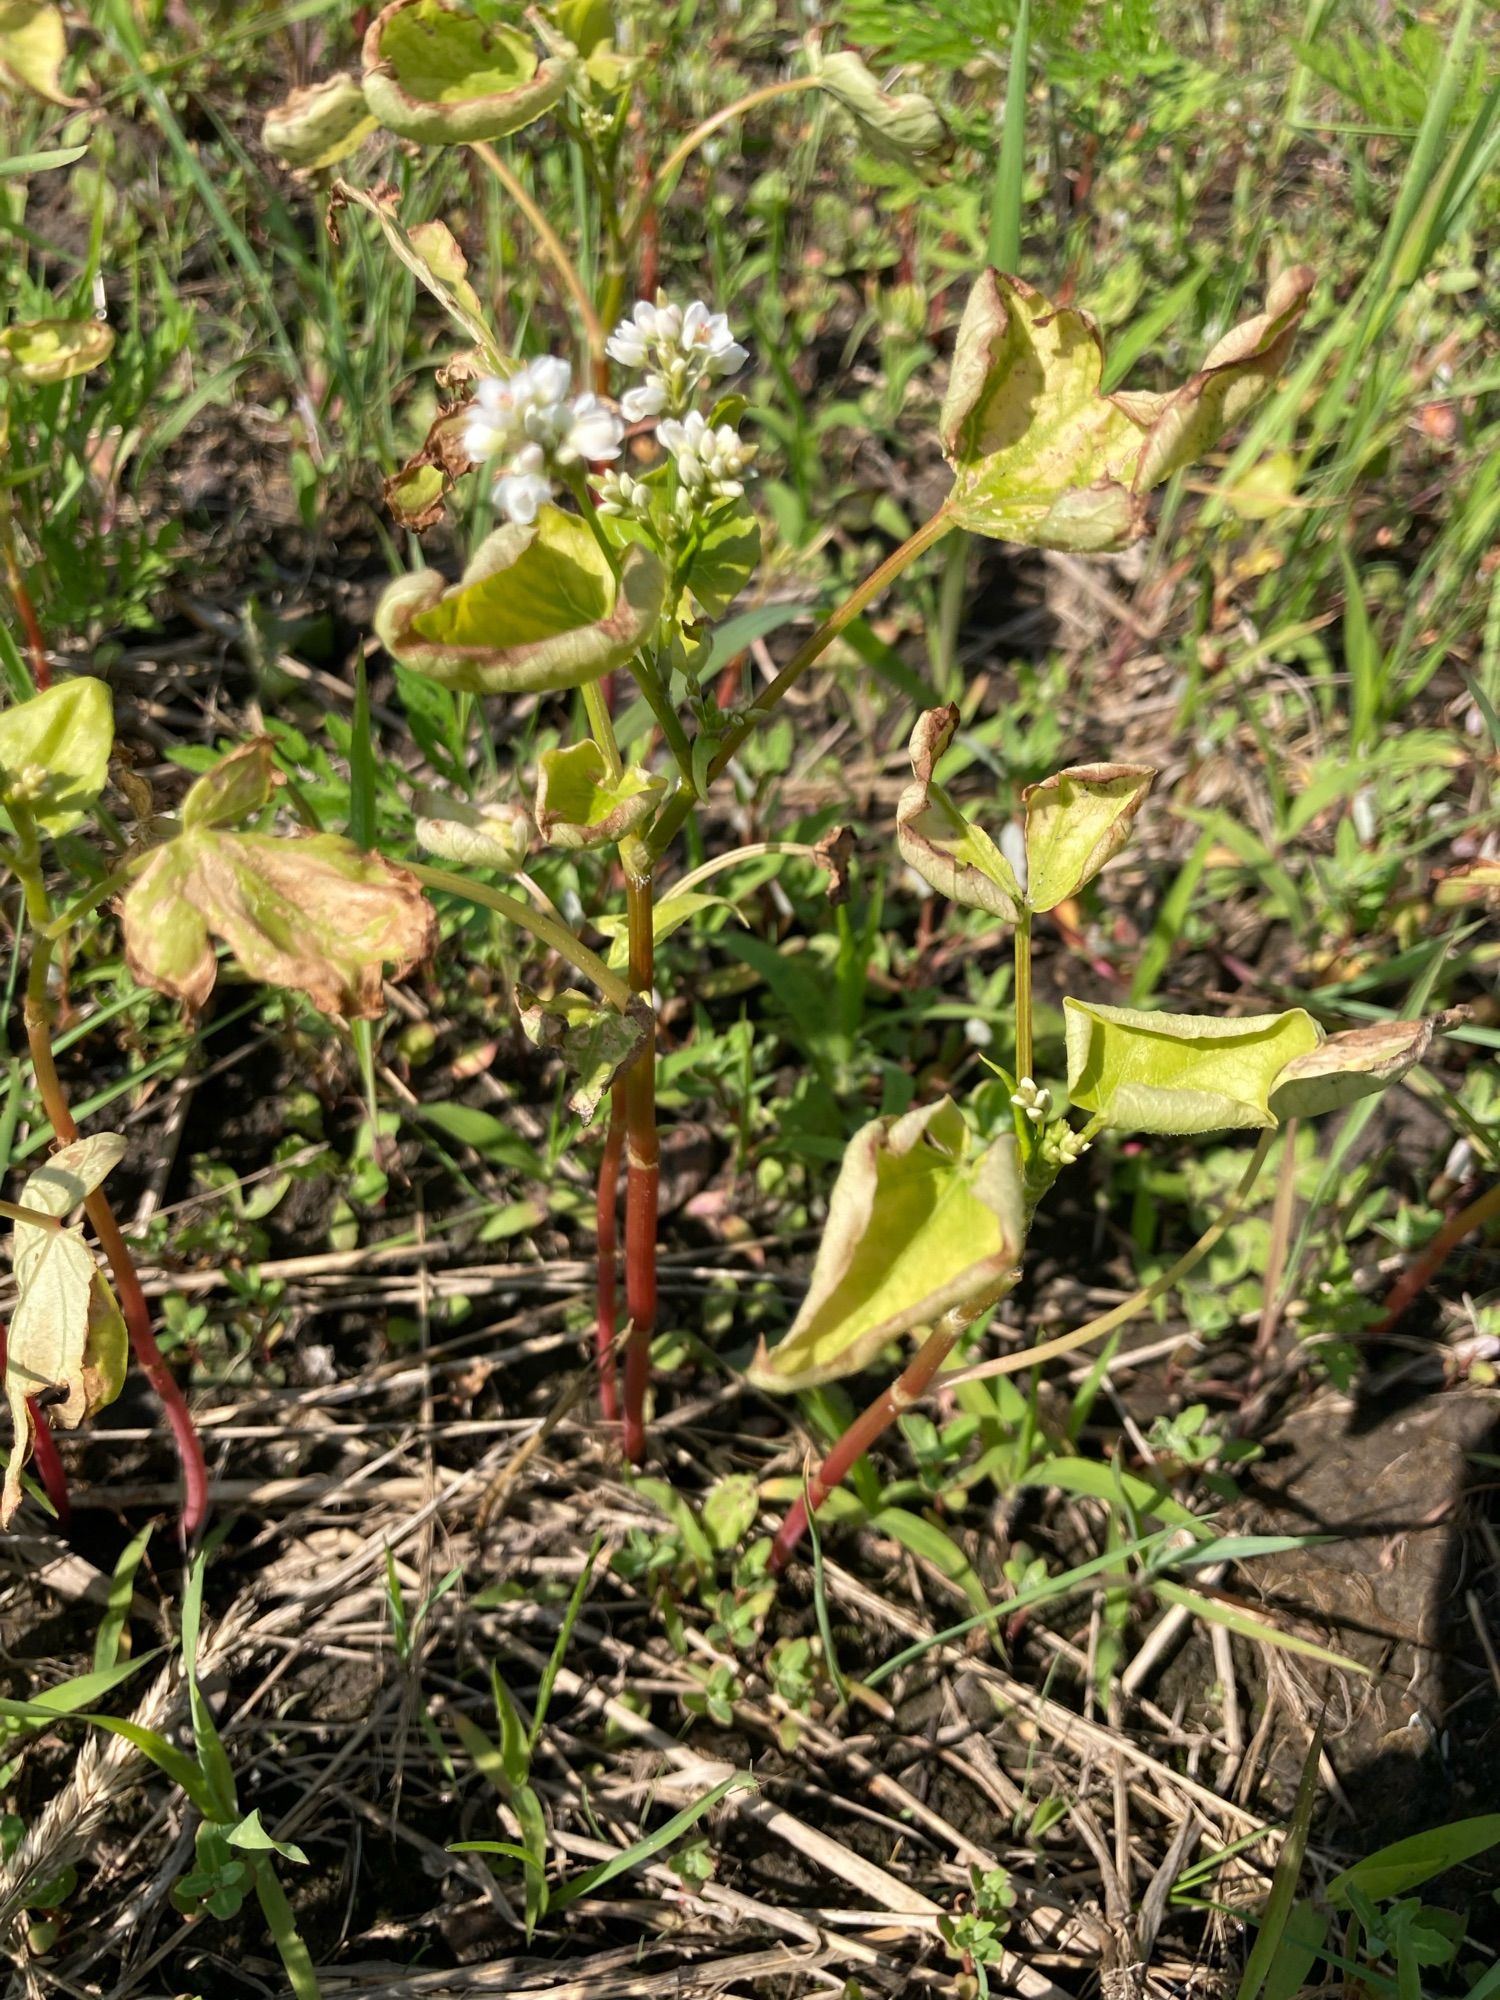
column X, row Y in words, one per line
column 595, row 1042
column 33, row 47
column 54, row 752
column 1181, row 1073
column 1040, row 455
column 919, row 1224
column 67, row 1342
column 54, row 350
column 578, row 804
column 440, row 74
column 319, row 126
column 1076, row 822
column 538, row 609
column 958, row 858
column 898, row 127
column 316, row 914
column 475, row 836
column 1355, row 1064
column 432, row 255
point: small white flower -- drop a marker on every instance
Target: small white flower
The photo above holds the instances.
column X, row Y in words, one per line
column 648, row 401
column 620, row 494
column 678, row 348
column 518, row 495
column 1031, row 1098
column 709, row 458
column 594, row 432
column 708, row 334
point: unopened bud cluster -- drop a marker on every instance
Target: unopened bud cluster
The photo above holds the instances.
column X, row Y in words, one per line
column 1062, row 1146
column 1033, row 1099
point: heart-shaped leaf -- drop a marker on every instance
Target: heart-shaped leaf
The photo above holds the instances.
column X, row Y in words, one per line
column 1180, row 1073
column 898, row 127
column 595, row 1042
column 958, row 858
column 33, row 47
column 919, row 1224
column 578, row 804
column 54, row 752
column 53, row 350
column 67, row 1340
column 1076, row 822
column 1040, row 455
column 1346, row 1067
column 538, row 609
column 440, row 74
column 319, row 126
column 317, row 914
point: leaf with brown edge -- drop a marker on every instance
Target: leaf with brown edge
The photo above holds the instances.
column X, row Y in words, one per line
column 434, row 260
column 1042, row 456
column 440, row 74
column 67, row 1339
column 578, row 803
column 1181, row 1073
column 947, row 850
column 595, row 1042
column 1076, row 822
column 1357, row 1063
column 44, row 351
column 317, row 127
column 314, row 914
column 920, row 1223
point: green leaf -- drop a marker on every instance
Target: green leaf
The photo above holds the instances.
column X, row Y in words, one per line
column 67, row 1338
column 319, row 126
column 33, row 46
column 578, row 804
column 897, row 128
column 919, row 1225
column 1076, row 822
column 595, row 1878
column 729, row 1510
column 947, row 850
column 252, row 1838
column 1112, row 1484
column 538, row 609
column 20, row 166
column 1041, row 456
column 54, row 350
column 70, row 1697
column 1274, row 1921
column 595, row 1042
column 1180, row 1073
column 1406, row 1864
column 316, row 915
column 234, row 790
column 1358, row 1063
column 724, row 558
column 1249, row 1625
column 54, row 752
column 493, row 836
column 437, row 73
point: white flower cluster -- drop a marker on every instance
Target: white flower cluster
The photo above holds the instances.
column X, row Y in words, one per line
column 532, row 422
column 712, row 460
column 1033, row 1099
column 679, row 347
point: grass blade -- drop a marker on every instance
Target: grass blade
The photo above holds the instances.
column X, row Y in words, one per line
column 651, row 1844
column 1273, row 1922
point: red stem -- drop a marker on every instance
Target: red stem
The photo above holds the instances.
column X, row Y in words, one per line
column 606, row 1288
column 48, row 1462
column 36, row 644
column 642, row 1176
column 1409, row 1287
column 909, row 1387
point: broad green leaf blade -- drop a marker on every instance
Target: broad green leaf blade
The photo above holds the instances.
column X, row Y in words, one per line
column 578, row 803
column 1406, row 1864
column 595, row 1042
column 54, row 752
column 1076, row 822
column 1040, row 455
column 919, row 1224
column 897, row 127
column 493, row 836
column 947, row 850
column 319, row 126
column 538, row 609
column 54, row 350
column 440, row 74
column 1358, row 1063
column 723, row 558
column 1180, row 1073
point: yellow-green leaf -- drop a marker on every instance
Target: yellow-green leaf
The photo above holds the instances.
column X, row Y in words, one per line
column 595, row 1042
column 920, row 1224
column 440, row 74
column 1076, row 822
column 1180, row 1073
column 235, row 790
column 958, row 858
column 33, row 46
column 319, row 126
column 475, row 836
column 54, row 350
column 898, row 127
column 54, row 752
column 431, row 253
column 578, row 803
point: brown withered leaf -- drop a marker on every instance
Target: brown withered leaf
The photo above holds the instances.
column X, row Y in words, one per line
column 835, row 851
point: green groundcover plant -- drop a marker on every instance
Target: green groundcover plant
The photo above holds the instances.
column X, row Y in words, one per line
column 601, row 569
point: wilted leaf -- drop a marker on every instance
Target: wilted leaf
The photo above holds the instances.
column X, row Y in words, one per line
column 67, row 1342
column 54, row 752
column 578, row 804
column 319, row 126
column 475, row 836
column 919, row 1225
column 430, row 252
column 1346, row 1067
column 538, row 609
column 1041, row 456
column 414, row 496
column 54, row 350
column 595, row 1042
column 1076, row 822
column 896, row 126
column 956, row 857
column 315, row 914
column 1180, row 1073
column 437, row 73
column 33, row 45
